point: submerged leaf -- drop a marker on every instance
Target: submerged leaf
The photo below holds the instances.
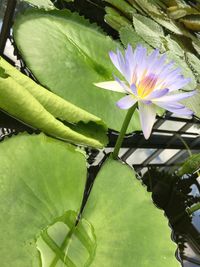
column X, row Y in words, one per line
column 64, row 244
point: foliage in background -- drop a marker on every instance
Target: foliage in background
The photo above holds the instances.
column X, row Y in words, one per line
column 155, row 25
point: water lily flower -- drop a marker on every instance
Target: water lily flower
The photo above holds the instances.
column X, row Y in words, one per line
column 150, row 81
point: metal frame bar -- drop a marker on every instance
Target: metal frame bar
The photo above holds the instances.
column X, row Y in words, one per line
column 7, row 22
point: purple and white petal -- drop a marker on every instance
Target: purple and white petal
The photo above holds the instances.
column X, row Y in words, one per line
column 150, row 81
column 151, row 59
column 175, row 97
column 147, row 118
column 158, row 94
column 121, row 61
column 121, row 64
column 153, row 56
column 122, row 84
column 166, row 69
column 111, row 85
column 141, row 61
column 175, row 107
column 126, row 102
column 170, row 75
column 134, row 89
column 178, row 83
column 159, row 64
column 114, row 59
column 156, row 65
column 129, row 59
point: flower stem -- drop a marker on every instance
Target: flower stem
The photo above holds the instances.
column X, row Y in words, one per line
column 123, row 131
column 194, row 208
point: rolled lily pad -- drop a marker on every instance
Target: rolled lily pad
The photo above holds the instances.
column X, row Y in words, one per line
column 67, row 55
column 41, row 178
column 40, row 108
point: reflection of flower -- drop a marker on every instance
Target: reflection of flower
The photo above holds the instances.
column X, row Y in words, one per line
column 150, row 82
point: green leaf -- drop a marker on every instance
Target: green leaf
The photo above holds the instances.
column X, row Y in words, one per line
column 57, row 106
column 117, row 233
column 129, row 36
column 116, row 22
column 171, row 26
column 17, row 101
column 64, row 244
column 149, row 30
column 196, row 45
column 129, row 230
column 192, row 22
column 175, row 12
column 45, row 4
column 67, row 56
column 190, row 165
column 194, row 102
column 123, row 6
column 42, row 182
column 147, row 24
column 194, row 64
column 186, row 71
column 41, row 178
column 3, row 73
column 149, row 7
column 159, row 16
column 171, row 45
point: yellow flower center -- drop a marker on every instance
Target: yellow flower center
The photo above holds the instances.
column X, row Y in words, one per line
column 146, row 85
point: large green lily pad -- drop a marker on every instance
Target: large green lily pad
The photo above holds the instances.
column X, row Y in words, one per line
column 41, row 188
column 40, row 179
column 129, row 229
column 67, row 55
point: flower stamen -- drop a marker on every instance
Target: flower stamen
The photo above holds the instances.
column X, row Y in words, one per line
column 147, row 85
